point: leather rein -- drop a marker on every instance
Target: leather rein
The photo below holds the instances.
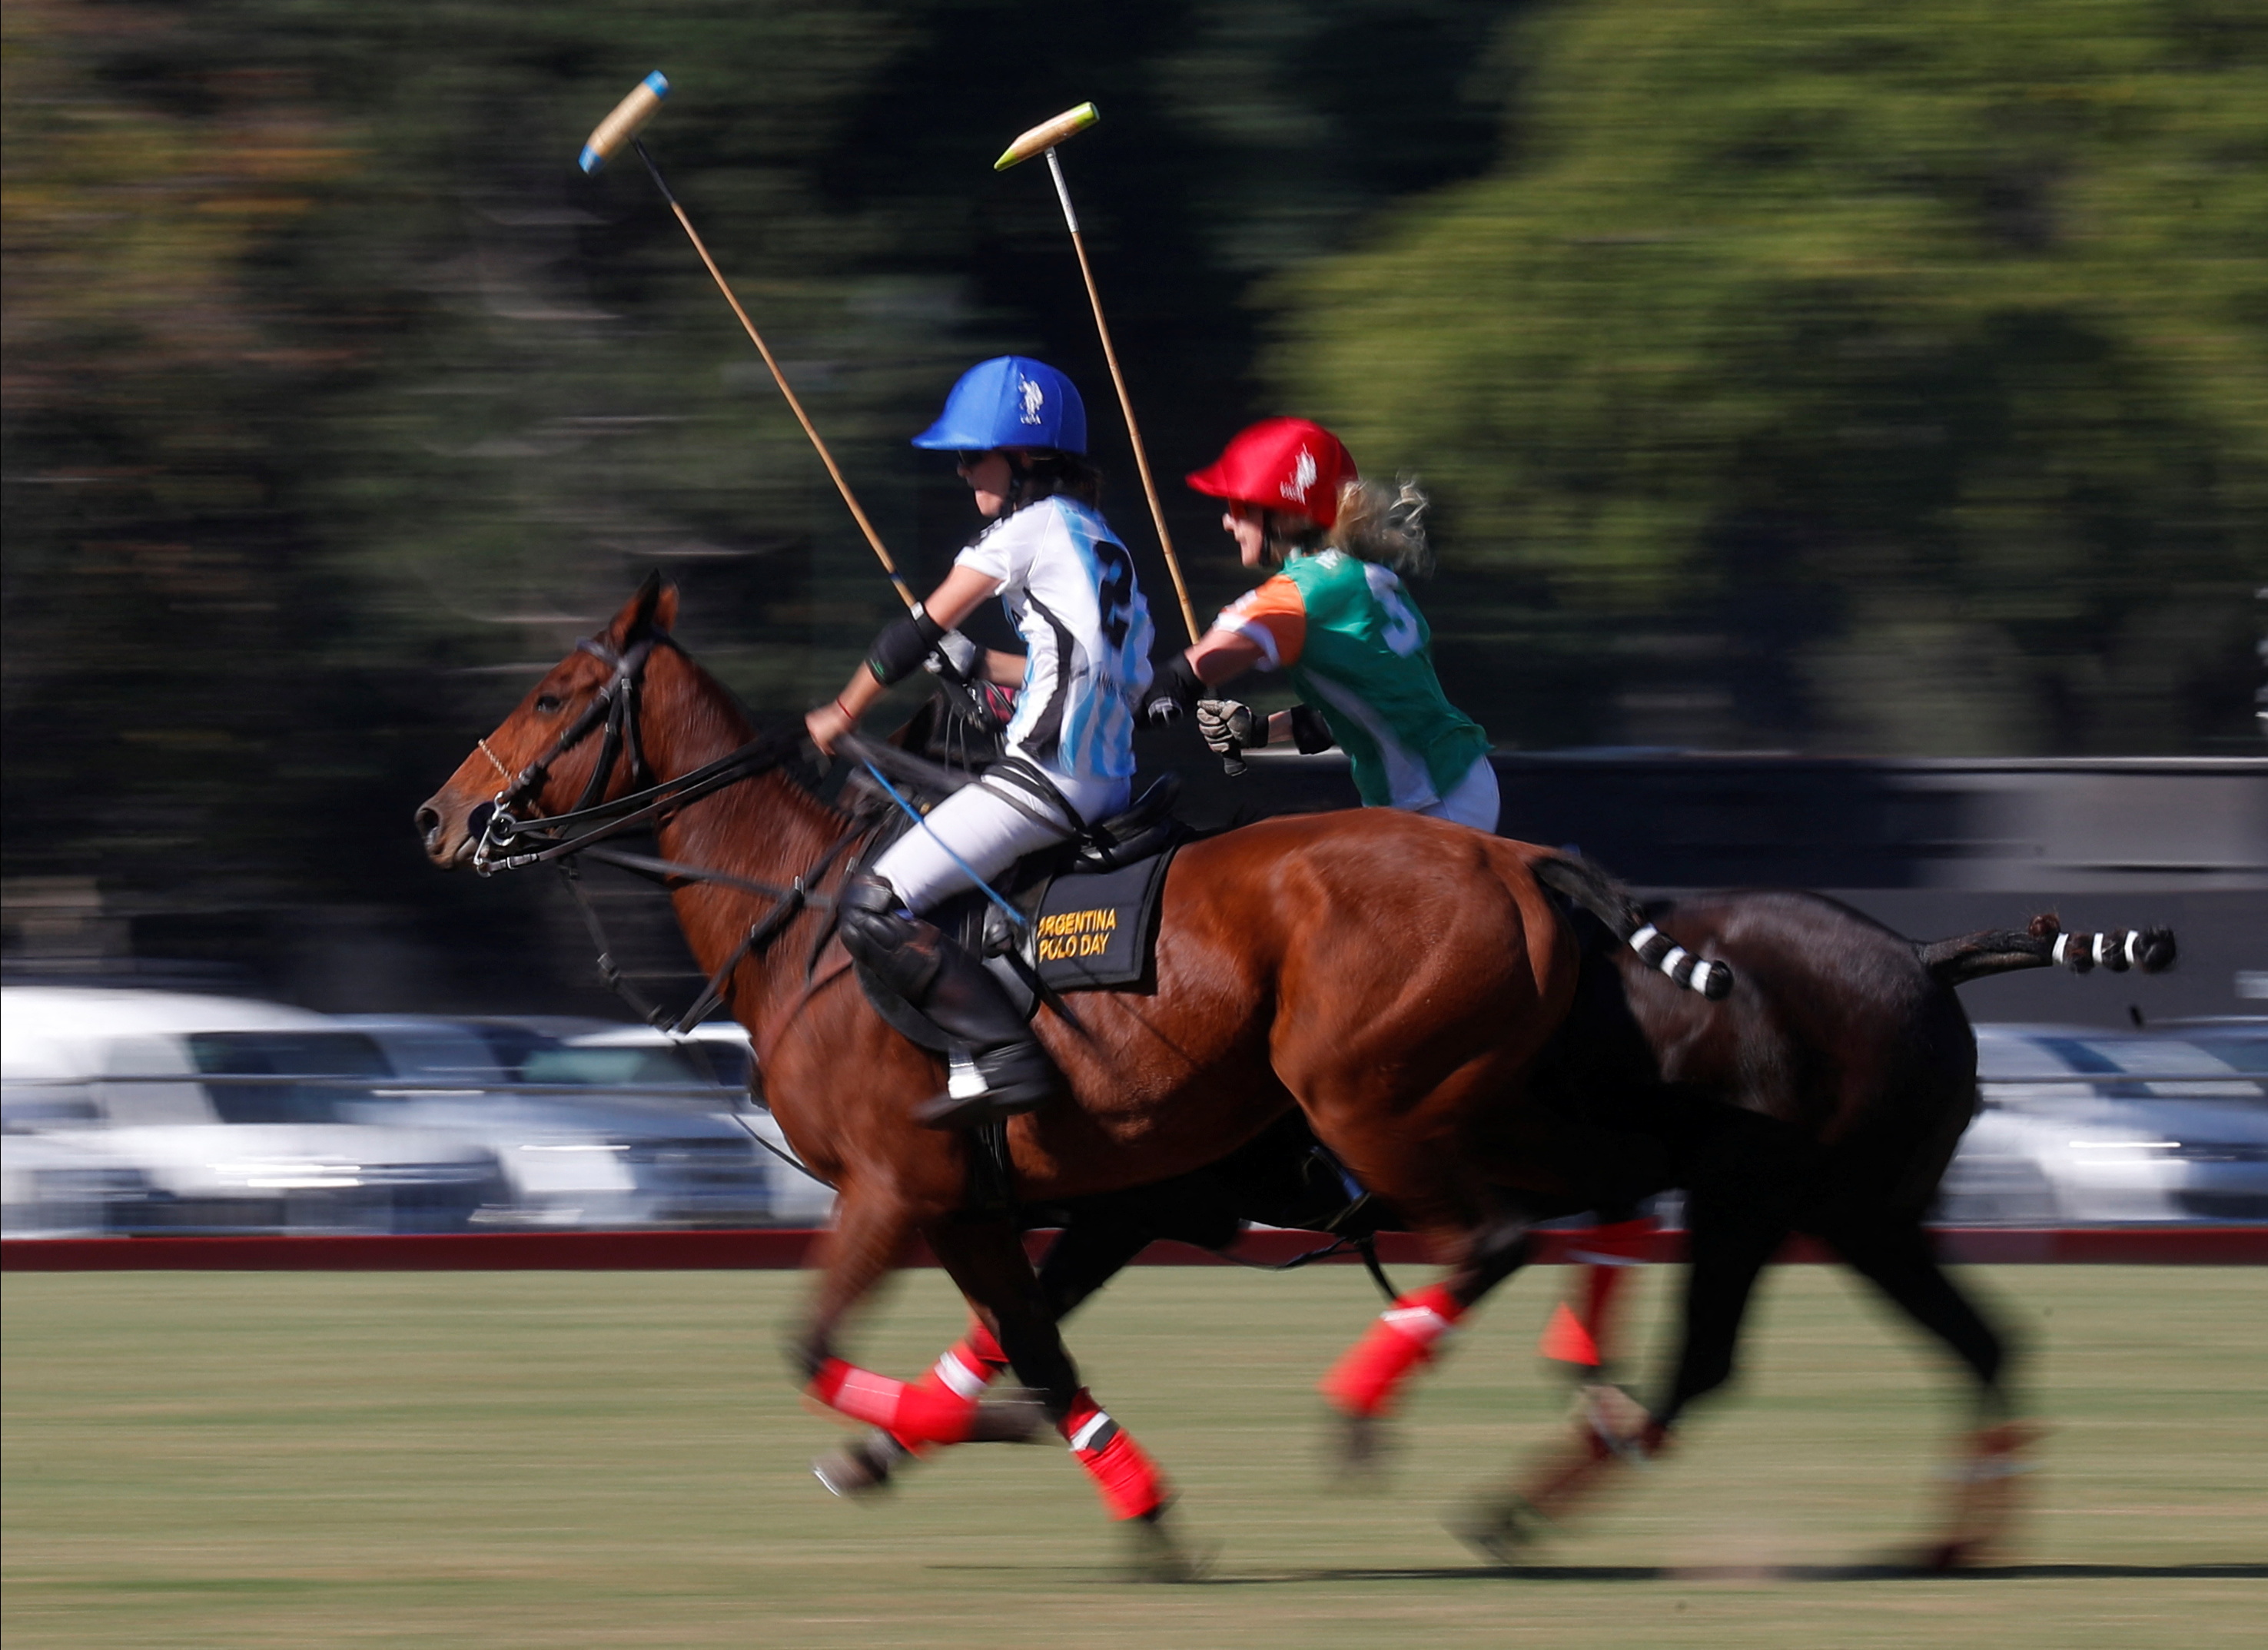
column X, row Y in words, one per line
column 511, row 842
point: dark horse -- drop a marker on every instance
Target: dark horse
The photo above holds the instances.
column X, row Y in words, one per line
column 1393, row 977
column 1825, row 1095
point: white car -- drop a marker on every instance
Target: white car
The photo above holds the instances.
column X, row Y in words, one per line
column 2082, row 1126
column 196, row 1114
column 52, row 1187
column 615, row 1127
column 715, row 1052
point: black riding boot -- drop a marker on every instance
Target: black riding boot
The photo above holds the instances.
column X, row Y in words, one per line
column 999, row 1068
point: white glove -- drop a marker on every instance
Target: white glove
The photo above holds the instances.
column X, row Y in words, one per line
column 1227, row 727
column 961, row 655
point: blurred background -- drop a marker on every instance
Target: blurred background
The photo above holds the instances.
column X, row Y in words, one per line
column 1848, row 424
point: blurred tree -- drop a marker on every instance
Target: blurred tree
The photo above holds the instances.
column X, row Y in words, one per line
column 1878, row 378
column 1798, row 372
column 335, row 401
column 317, row 435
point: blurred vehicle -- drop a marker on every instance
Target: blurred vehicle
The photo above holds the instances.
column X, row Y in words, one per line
column 57, row 1187
column 717, row 1053
column 2080, row 1126
column 512, row 1038
column 712, row 1055
column 613, row 1128
column 147, row 1111
column 2240, row 1039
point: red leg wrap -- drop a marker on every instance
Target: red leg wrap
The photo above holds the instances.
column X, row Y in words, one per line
column 1124, row 1476
column 1365, row 1382
column 958, row 1377
column 1578, row 1332
column 1565, row 1340
column 927, row 1415
column 982, row 1349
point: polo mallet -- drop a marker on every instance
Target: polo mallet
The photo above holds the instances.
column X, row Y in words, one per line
column 1042, row 139
column 621, row 127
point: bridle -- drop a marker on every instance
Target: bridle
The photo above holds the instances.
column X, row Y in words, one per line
column 614, row 707
column 509, row 841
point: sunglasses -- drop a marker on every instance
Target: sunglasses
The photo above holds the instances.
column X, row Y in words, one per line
column 971, row 461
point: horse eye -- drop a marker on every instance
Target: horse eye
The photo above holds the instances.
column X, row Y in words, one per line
column 548, row 704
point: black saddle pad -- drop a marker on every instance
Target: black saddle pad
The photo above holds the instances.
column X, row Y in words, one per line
column 1099, row 929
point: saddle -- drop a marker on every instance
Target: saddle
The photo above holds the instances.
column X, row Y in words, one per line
column 1087, row 908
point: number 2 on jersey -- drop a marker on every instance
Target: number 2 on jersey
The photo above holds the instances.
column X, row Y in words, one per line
column 1115, row 591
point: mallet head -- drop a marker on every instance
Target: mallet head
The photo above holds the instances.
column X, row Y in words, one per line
column 1048, row 133
column 619, row 127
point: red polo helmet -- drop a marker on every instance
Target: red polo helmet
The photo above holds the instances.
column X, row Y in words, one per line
column 1287, row 464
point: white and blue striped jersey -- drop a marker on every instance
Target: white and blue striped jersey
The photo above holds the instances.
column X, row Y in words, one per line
column 1070, row 588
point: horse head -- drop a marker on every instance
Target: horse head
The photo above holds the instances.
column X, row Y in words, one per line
column 559, row 749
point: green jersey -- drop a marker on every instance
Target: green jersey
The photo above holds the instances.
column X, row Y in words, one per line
column 1357, row 649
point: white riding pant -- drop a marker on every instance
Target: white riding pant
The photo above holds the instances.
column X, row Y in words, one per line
column 1473, row 801
column 980, row 830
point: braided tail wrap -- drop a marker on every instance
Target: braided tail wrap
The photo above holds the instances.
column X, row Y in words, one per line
column 1612, row 904
column 2045, row 943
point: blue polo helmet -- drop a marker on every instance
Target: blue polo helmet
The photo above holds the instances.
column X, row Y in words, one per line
column 1010, row 401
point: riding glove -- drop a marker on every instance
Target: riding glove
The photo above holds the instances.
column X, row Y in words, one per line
column 1173, row 691
column 955, row 657
column 1229, row 726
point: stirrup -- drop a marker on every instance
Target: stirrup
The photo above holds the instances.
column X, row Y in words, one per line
column 998, row 1083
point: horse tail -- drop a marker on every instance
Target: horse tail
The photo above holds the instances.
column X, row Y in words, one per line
column 1614, row 905
column 2043, row 944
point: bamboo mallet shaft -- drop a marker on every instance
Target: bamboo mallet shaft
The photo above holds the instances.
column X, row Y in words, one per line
column 1042, row 139
column 621, row 127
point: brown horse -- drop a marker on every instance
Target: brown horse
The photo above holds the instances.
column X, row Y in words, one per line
column 1823, row 1095
column 1393, row 976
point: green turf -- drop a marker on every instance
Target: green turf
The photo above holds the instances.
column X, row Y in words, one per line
column 618, row 1459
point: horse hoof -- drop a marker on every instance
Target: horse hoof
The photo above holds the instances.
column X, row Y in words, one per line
column 1619, row 1423
column 1501, row 1530
column 1008, row 1418
column 1945, row 1558
column 1158, row 1557
column 859, row 1468
column 1987, row 1498
column 1363, row 1443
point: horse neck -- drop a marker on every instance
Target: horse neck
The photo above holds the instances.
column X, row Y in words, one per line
column 765, row 827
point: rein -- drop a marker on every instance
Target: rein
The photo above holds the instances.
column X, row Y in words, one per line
column 561, row 838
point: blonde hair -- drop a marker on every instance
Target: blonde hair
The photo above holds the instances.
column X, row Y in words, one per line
column 1384, row 523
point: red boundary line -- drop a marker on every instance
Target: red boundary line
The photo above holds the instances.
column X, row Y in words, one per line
column 777, row 1250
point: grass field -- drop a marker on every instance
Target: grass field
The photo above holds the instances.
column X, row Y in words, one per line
column 617, row 1459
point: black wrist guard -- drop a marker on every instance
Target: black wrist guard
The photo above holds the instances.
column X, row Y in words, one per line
column 1309, row 732
column 904, row 643
column 1174, row 690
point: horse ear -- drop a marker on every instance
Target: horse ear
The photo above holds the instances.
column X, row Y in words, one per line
column 654, row 607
